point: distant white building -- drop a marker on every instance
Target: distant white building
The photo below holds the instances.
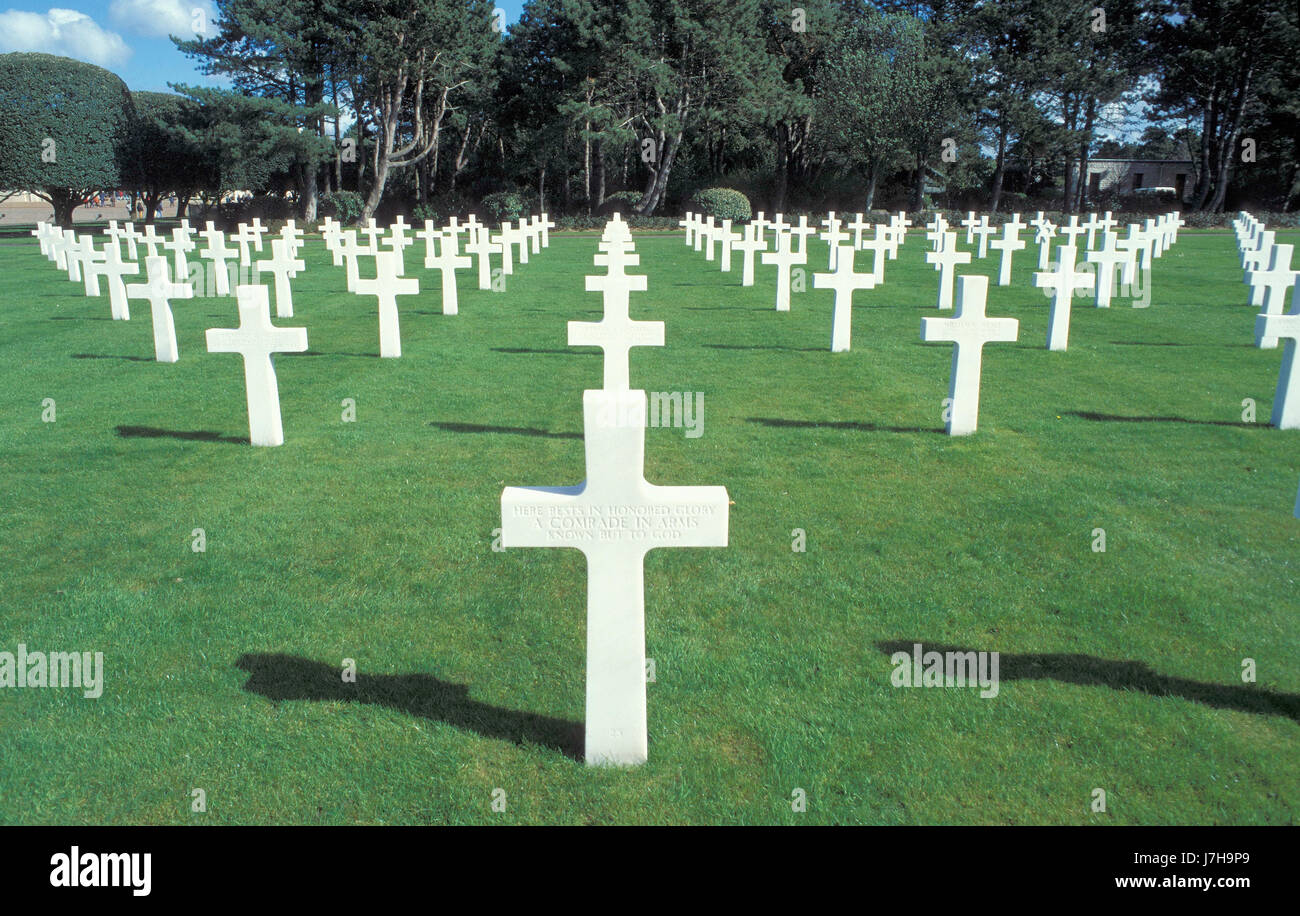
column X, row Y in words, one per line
column 1124, row 176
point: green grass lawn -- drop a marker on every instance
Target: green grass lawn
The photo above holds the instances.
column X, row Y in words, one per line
column 372, row 540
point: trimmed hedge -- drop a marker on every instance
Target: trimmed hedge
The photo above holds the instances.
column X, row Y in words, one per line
column 722, row 203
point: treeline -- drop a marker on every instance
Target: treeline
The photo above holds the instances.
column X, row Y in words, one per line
column 586, row 105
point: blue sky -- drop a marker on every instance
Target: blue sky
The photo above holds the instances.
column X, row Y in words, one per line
column 128, row 37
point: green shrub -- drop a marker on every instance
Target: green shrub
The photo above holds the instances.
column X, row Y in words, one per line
column 621, row 202
column 722, row 203
column 344, row 206
column 502, row 207
column 424, row 212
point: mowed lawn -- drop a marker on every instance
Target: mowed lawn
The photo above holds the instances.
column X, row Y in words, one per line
column 372, row 540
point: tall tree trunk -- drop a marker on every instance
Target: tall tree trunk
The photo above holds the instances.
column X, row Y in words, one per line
column 871, row 184
column 1208, row 118
column 999, row 170
column 598, row 165
column 782, row 169
column 65, row 201
column 586, row 162
column 659, row 182
column 918, row 186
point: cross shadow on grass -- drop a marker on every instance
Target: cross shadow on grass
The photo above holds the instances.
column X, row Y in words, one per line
column 506, row 430
column 781, row 423
column 1090, row 671
column 280, row 677
column 134, row 359
column 188, row 435
column 1115, row 418
column 569, row 352
column 323, row 353
column 767, row 347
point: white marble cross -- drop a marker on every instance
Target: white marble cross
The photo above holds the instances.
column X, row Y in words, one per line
column 1072, row 231
column 397, row 242
column 293, row 238
column 1063, row 282
column 945, row 260
column 1252, row 256
column 151, row 239
column 616, row 332
column 387, row 285
column 159, row 290
column 244, row 234
column 1107, row 258
column 858, row 227
column 113, row 231
column 1045, row 231
column 984, row 229
column 431, row 235
column 132, row 235
column 1008, row 245
column 180, row 244
column 761, row 223
column 506, row 239
column 728, row 238
column 282, row 265
column 42, row 233
column 1286, row 400
column 113, row 269
column 372, row 230
column 687, row 222
column 702, row 226
column 255, row 340
column 803, row 230
column 75, row 250
column 1276, row 280
column 751, row 242
column 844, row 281
column 1090, row 226
column 710, row 237
column 90, row 264
column 615, row 517
column 59, row 247
column 969, row 224
column 969, row 329
column 446, row 261
column 833, row 236
column 350, row 251
column 482, row 245
column 217, row 252
column 881, row 245
column 784, row 258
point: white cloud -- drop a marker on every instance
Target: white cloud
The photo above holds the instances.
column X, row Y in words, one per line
column 64, row 32
column 161, row 18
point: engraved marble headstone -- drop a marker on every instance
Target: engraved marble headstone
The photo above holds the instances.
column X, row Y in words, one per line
column 615, row 517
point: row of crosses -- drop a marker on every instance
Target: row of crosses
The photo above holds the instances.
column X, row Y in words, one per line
column 615, row 516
